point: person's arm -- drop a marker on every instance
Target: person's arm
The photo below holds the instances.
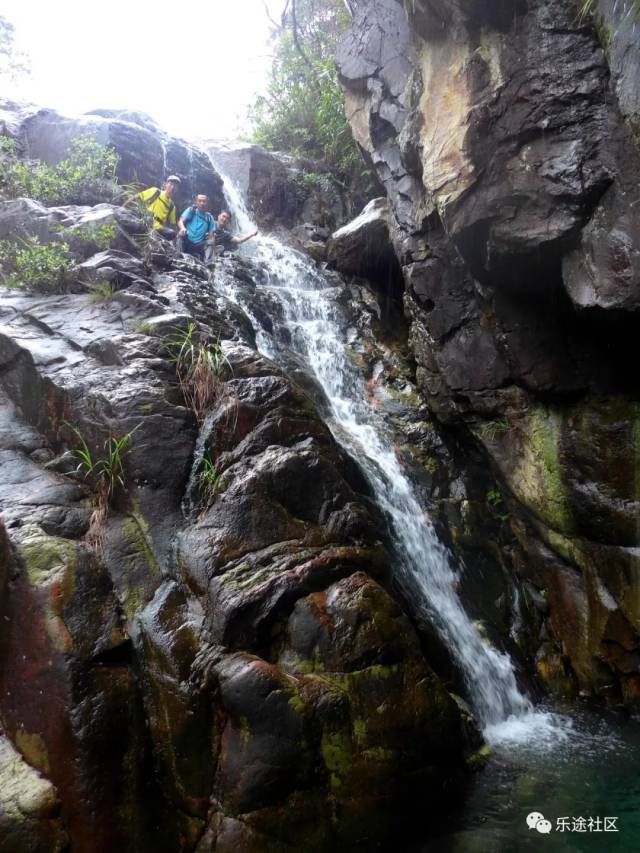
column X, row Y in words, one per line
column 135, row 197
column 238, row 240
column 187, row 214
column 142, row 196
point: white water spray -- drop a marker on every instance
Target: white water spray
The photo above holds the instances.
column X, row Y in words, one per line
column 312, row 316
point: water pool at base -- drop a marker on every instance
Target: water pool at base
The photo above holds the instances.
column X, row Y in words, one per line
column 594, row 773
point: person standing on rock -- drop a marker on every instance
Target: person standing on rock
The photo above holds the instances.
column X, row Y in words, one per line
column 196, row 229
column 161, row 206
column 225, row 240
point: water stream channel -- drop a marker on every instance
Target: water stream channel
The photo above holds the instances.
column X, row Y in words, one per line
column 558, row 763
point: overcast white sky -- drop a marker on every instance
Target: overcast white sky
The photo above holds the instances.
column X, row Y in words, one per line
column 193, row 66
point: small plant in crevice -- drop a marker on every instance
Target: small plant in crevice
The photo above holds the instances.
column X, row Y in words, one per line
column 628, row 7
column 208, row 479
column 491, row 430
column 104, row 473
column 28, row 264
column 143, row 327
column 104, row 291
column 495, row 500
column 200, row 368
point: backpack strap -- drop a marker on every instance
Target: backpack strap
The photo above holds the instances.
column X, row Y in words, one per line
column 148, row 202
column 208, row 218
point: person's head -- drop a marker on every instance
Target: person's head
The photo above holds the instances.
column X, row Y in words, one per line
column 202, row 202
column 224, row 218
column 171, row 185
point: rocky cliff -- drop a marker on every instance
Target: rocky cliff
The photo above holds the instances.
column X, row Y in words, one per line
column 189, row 662
column 506, row 136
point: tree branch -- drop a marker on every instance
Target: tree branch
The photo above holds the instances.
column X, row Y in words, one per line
column 296, row 40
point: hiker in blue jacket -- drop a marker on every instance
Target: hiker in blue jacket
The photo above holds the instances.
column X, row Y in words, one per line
column 196, row 228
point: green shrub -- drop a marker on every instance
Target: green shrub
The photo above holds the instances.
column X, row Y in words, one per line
column 99, row 237
column 31, row 265
column 86, row 176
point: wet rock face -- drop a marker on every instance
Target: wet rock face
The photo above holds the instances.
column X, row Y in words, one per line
column 363, row 247
column 193, row 663
column 506, row 139
column 281, row 190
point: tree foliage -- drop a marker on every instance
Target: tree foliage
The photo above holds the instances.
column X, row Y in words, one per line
column 14, row 64
column 302, row 110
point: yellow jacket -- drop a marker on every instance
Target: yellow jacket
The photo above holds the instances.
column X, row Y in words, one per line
column 162, row 208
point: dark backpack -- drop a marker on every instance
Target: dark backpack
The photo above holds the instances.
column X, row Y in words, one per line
column 192, row 212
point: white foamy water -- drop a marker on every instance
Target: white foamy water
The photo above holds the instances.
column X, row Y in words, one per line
column 314, row 319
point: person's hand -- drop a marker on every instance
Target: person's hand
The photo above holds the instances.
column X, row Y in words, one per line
column 182, row 231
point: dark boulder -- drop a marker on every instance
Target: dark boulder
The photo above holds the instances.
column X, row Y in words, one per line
column 280, row 189
column 363, row 247
column 146, row 154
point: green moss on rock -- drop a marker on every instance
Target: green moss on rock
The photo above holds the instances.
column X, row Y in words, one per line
column 538, row 477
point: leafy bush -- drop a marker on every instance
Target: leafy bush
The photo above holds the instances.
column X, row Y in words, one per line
column 97, row 236
column 32, row 265
column 86, row 176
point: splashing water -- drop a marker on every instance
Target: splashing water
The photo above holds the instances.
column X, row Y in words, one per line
column 315, row 321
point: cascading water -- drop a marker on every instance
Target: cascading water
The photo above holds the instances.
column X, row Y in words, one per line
column 312, row 315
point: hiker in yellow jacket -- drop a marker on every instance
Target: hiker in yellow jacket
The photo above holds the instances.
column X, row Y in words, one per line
column 161, row 206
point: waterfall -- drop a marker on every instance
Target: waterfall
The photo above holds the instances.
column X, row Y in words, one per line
column 313, row 316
